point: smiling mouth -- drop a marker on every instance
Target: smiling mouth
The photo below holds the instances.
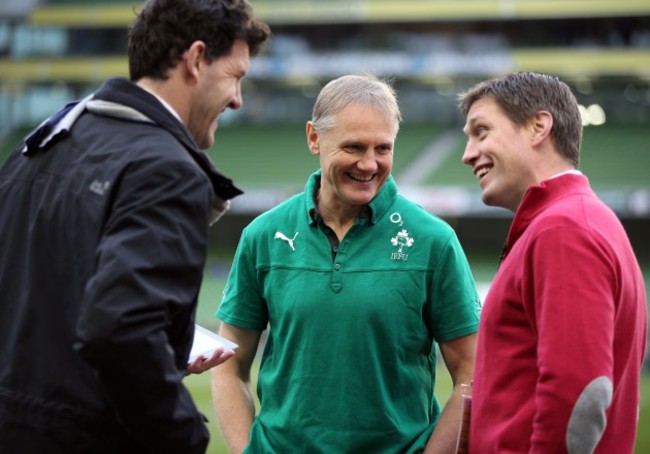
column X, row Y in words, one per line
column 361, row 179
column 480, row 173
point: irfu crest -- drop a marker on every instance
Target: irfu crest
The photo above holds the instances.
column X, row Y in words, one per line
column 401, row 240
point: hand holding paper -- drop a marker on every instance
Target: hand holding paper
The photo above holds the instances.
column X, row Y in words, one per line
column 208, row 350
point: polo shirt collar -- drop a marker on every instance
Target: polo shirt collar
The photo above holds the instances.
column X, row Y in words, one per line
column 382, row 201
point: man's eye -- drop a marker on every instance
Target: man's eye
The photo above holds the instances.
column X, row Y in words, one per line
column 480, row 131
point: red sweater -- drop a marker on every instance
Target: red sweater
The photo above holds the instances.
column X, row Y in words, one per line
column 563, row 331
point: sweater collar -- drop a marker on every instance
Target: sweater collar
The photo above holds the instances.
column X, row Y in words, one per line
column 541, row 196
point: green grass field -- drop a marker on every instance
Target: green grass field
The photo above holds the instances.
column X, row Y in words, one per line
column 616, row 155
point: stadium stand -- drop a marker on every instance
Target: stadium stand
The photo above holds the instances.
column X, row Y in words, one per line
column 58, row 50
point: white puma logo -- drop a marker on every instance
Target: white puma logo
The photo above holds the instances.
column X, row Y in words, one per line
column 283, row 237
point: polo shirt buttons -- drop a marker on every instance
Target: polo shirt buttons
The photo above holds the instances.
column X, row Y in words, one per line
column 337, row 278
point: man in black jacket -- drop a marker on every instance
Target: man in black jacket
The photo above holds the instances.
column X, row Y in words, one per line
column 104, row 215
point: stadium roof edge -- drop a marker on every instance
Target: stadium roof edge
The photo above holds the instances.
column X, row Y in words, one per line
column 286, row 12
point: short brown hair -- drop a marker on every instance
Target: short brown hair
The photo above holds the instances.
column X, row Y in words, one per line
column 521, row 95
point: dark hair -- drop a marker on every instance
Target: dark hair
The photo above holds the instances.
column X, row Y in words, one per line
column 522, row 95
column 165, row 29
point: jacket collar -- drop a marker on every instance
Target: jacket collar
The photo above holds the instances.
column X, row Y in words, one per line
column 120, row 98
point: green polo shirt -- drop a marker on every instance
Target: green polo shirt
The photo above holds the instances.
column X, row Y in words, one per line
column 350, row 360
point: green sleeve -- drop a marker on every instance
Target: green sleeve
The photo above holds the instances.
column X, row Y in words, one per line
column 243, row 304
column 454, row 309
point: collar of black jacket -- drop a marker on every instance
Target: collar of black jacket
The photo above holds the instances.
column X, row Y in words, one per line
column 122, row 91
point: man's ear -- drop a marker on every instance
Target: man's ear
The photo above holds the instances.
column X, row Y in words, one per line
column 541, row 124
column 194, row 58
column 312, row 139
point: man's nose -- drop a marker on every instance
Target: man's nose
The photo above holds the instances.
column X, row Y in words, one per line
column 470, row 154
column 237, row 100
column 368, row 161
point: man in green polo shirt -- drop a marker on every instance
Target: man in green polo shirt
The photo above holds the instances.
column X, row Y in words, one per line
column 356, row 285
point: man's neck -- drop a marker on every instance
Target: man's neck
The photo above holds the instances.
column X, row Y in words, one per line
column 154, row 88
column 565, row 172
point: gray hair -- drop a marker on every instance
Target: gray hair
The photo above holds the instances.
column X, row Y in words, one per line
column 353, row 89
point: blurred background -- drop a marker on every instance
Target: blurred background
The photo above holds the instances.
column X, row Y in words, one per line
column 56, row 51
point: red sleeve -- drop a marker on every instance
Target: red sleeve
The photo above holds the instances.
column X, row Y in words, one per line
column 569, row 289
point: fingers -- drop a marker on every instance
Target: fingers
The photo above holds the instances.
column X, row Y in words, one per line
column 201, row 364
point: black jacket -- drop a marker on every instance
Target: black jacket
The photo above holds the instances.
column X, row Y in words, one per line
column 103, row 236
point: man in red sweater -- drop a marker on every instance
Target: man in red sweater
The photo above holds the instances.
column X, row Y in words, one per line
column 563, row 329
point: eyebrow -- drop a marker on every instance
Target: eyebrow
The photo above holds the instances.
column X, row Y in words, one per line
column 363, row 143
column 469, row 124
column 352, row 143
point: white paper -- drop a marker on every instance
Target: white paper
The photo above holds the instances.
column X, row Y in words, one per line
column 206, row 342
